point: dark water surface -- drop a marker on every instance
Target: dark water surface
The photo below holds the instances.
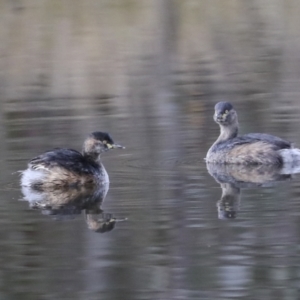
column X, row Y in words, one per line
column 172, row 245
column 149, row 73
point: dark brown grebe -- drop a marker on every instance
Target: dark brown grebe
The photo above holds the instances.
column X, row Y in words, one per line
column 249, row 149
column 67, row 167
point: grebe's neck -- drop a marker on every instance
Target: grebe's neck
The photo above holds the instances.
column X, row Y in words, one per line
column 92, row 156
column 228, row 132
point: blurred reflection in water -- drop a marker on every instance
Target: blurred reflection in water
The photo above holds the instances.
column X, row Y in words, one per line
column 234, row 177
column 149, row 72
column 64, row 201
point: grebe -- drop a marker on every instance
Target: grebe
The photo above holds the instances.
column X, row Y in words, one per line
column 67, row 167
column 249, row 149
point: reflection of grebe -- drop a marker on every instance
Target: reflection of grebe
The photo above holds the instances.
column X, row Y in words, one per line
column 253, row 148
column 234, row 177
column 61, row 202
column 67, row 167
column 229, row 203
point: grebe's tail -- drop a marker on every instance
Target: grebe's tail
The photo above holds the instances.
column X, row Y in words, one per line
column 291, row 161
column 30, row 177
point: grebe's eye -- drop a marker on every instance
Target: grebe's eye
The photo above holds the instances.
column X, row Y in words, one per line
column 225, row 113
column 107, row 144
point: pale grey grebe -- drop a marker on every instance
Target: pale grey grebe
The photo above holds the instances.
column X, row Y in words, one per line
column 253, row 148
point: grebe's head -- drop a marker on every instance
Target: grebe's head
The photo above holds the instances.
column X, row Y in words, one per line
column 225, row 114
column 98, row 142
